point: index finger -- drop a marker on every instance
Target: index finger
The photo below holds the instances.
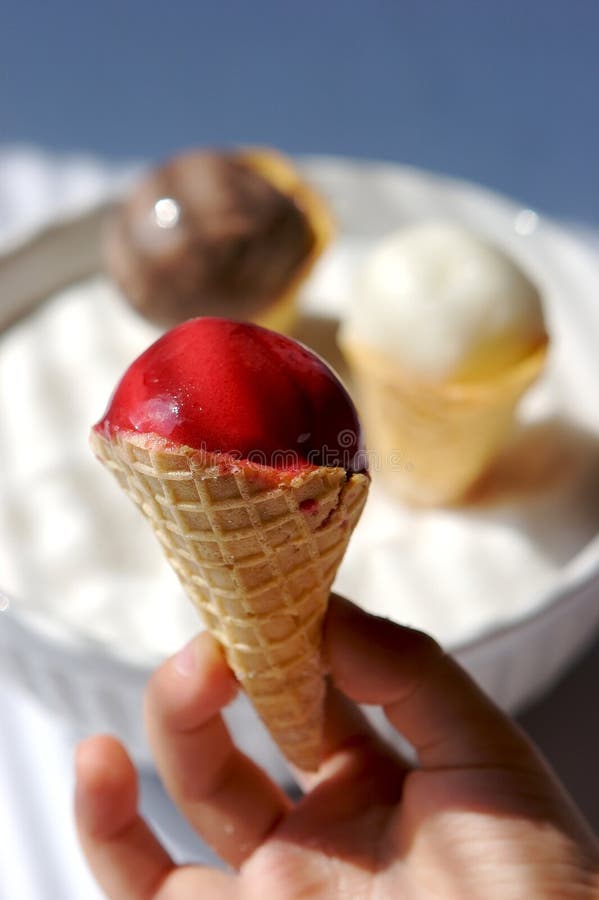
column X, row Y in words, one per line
column 425, row 694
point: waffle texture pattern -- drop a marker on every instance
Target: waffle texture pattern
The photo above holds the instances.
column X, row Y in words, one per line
column 257, row 551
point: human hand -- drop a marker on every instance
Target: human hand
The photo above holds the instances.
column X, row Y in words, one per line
column 480, row 817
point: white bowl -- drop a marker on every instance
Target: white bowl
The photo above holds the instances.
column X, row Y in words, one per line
column 509, row 584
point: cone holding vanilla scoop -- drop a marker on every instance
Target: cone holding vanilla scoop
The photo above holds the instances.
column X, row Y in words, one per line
column 244, row 452
column 446, row 336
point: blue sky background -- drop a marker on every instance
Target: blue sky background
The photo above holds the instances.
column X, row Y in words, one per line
column 506, row 94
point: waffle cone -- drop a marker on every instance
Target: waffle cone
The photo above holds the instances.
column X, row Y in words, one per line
column 279, row 171
column 256, row 550
column 432, row 441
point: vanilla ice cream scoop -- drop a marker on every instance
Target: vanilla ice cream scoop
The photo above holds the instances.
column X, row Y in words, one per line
column 445, row 305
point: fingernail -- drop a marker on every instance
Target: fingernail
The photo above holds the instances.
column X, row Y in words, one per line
column 186, row 660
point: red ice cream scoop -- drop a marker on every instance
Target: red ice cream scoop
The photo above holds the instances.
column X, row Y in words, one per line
column 238, row 389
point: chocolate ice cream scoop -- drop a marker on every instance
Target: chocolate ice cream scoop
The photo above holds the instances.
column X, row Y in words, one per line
column 212, row 233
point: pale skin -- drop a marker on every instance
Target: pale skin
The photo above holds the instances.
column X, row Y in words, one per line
column 481, row 816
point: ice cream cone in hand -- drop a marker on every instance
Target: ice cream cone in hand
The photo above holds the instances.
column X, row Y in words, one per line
column 243, row 451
